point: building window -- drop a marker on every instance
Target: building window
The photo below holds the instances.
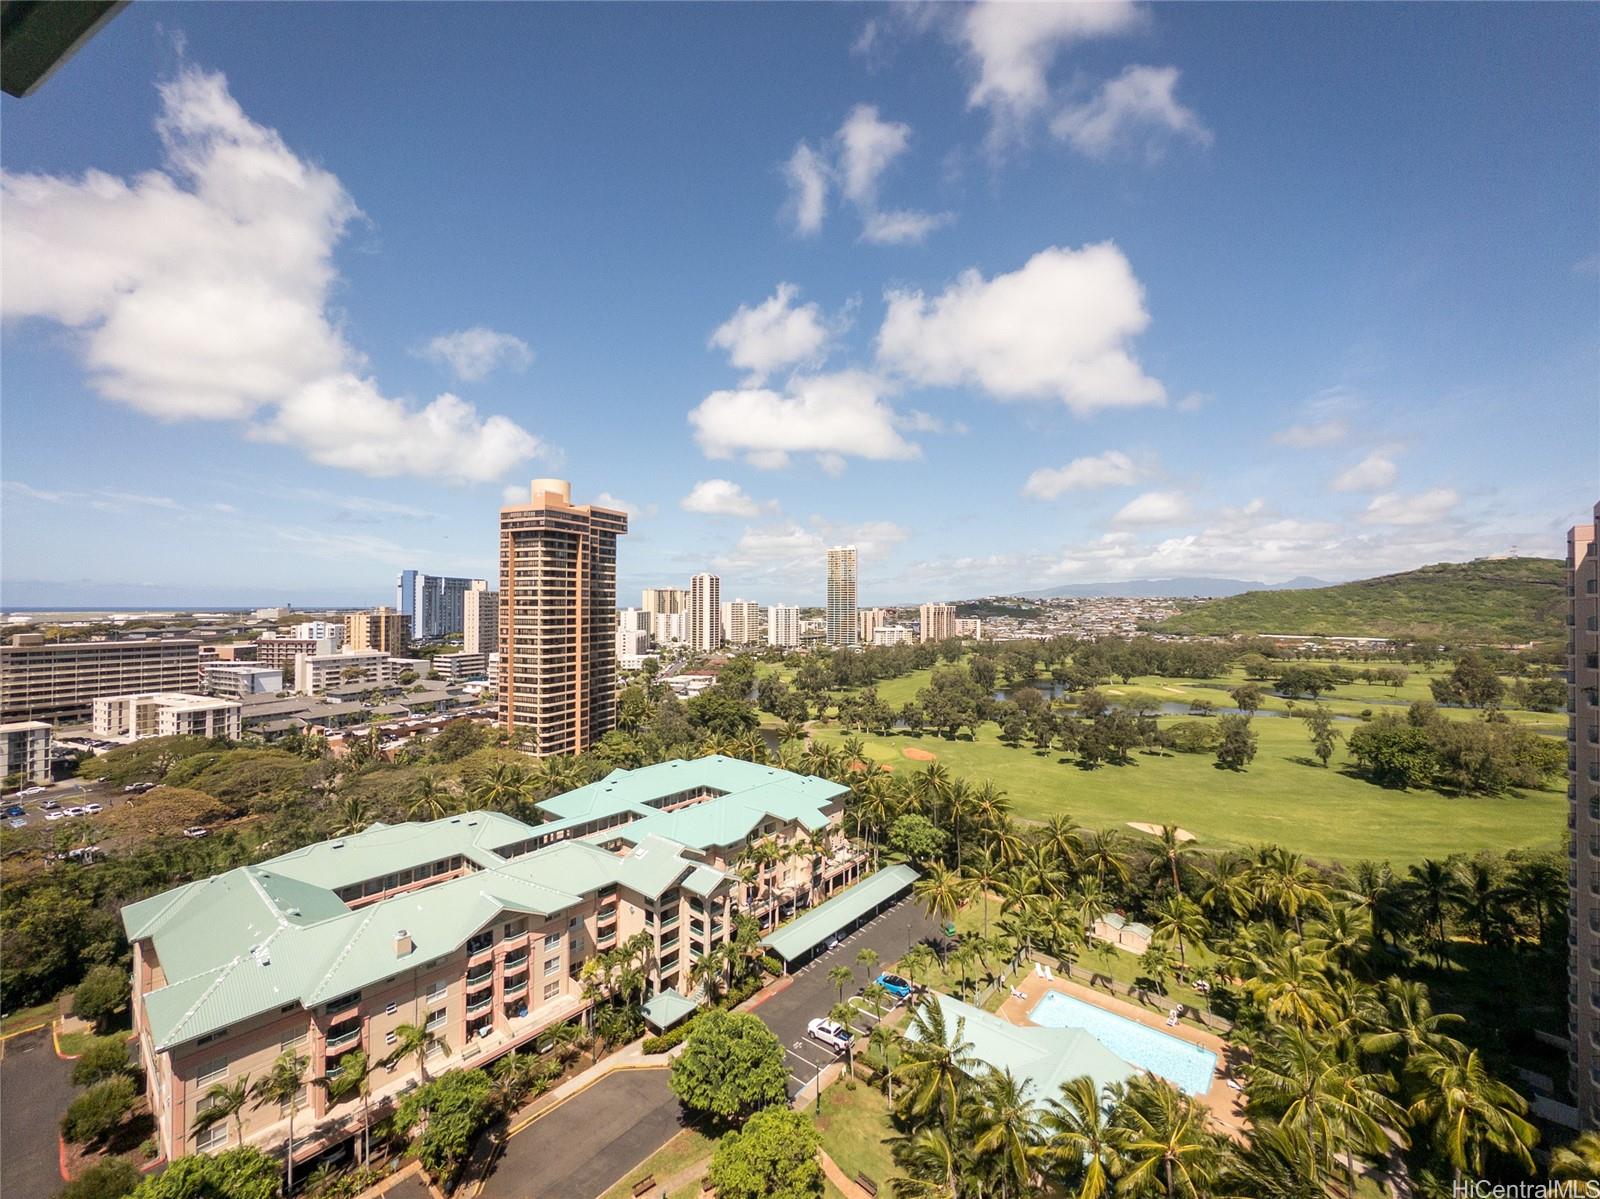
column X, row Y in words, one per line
column 552, row 989
column 435, row 1019
column 551, row 965
column 553, row 940
column 438, row 988
column 214, row 1137
column 517, row 927
column 211, row 1072
column 293, row 1042
column 344, row 1001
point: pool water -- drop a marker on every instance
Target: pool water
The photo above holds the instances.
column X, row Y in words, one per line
column 1186, row 1066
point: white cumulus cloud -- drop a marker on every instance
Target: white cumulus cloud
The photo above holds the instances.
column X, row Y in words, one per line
column 200, row 291
column 1423, row 508
column 1058, row 328
column 1137, row 104
column 775, row 333
column 839, row 415
column 1110, row 469
column 1375, row 471
column 1014, row 44
column 855, row 160
column 472, row 354
column 806, row 173
column 1154, row 508
column 719, row 497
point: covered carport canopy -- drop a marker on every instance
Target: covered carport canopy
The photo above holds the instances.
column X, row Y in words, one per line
column 800, row 938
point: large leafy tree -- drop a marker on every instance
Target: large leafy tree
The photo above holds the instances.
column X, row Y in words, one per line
column 731, row 1067
column 774, row 1156
column 452, row 1110
column 244, row 1173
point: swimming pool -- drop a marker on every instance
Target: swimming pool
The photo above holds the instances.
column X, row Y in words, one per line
column 1186, row 1066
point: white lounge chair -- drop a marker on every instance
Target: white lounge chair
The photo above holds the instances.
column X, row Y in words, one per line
column 1038, row 968
column 1174, row 1016
column 1049, row 974
column 1018, row 993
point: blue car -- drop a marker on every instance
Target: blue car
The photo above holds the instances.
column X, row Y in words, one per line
column 15, row 810
column 894, row 984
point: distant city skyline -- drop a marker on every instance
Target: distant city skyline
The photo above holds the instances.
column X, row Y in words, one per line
column 1277, row 324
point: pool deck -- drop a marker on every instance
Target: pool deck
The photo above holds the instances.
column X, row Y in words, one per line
column 1224, row 1103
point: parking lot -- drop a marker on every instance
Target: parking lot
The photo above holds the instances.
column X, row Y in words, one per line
column 813, row 994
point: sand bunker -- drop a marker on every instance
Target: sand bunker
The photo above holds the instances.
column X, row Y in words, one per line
column 1155, row 830
column 919, row 755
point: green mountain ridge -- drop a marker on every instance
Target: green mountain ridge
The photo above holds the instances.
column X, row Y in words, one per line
column 1489, row 600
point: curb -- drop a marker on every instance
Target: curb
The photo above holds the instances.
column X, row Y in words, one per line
column 61, row 1152
column 24, row 1031
column 55, row 1043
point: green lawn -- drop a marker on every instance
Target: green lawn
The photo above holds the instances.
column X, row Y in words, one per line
column 1282, row 797
column 855, row 1126
column 27, row 1017
column 678, row 1154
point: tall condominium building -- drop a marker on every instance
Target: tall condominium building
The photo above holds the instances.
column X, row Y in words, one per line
column 666, row 601
column 842, row 628
column 634, row 618
column 969, row 626
column 1583, row 796
column 558, row 613
column 741, row 622
column 783, row 626
column 667, row 627
column 938, row 622
column 58, row 681
column 134, row 717
column 381, row 628
column 436, row 604
column 480, row 620
column 25, row 751
column 705, row 613
column 869, row 621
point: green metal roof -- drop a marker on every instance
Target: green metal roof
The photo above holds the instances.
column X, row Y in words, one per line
column 1043, row 1058
column 806, row 932
column 665, row 1008
column 386, row 848
column 636, row 791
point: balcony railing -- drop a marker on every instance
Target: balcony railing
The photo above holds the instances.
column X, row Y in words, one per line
column 343, row 1039
column 513, row 960
column 479, row 943
column 480, row 974
column 477, row 1003
column 516, row 986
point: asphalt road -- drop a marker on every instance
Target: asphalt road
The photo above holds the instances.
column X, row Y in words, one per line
column 34, row 1082
column 590, row 1141
column 812, row 994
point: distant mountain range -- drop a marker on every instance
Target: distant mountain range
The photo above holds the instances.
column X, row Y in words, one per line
column 1170, row 588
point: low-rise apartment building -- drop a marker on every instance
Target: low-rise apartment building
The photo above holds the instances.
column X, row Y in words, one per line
column 57, row 681
column 317, row 673
column 25, row 751
column 456, row 668
column 236, row 679
column 165, row 714
column 475, row 926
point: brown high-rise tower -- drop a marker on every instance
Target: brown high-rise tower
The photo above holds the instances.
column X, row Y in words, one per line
column 558, row 609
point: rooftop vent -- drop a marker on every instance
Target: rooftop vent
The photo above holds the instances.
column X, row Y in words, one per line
column 337, row 845
column 403, row 944
column 261, row 954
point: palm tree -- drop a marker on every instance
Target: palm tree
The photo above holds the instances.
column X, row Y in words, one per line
column 1579, row 1161
column 1173, row 847
column 223, row 1102
column 937, row 1064
column 937, row 1165
column 1300, row 1080
column 1406, row 1024
column 502, row 789
column 354, row 1077
column 841, row 976
column 1433, row 889
column 353, row 816
column 1466, row 1110
column 280, row 1087
column 985, row 872
column 429, row 801
column 1278, row 1163
column 1107, row 852
column 1080, row 1140
column 1228, row 889
column 885, row 1041
column 1166, row 1145
column 842, row 1014
column 414, row 1040
column 959, row 808
column 1006, row 1129
column 941, row 892
column 868, row 960
column 918, row 962
column 1292, row 987
column 1179, row 919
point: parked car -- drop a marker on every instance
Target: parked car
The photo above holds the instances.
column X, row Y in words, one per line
column 72, row 811
column 16, row 809
column 829, row 1033
column 54, row 814
column 93, row 809
column 50, row 805
column 196, row 831
column 138, row 788
column 33, row 791
column 17, row 822
column 894, row 984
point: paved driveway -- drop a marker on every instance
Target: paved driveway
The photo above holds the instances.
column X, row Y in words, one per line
column 590, row 1141
column 36, row 1090
column 812, row 994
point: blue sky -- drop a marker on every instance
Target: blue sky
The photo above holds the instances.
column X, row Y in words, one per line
column 1010, row 296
